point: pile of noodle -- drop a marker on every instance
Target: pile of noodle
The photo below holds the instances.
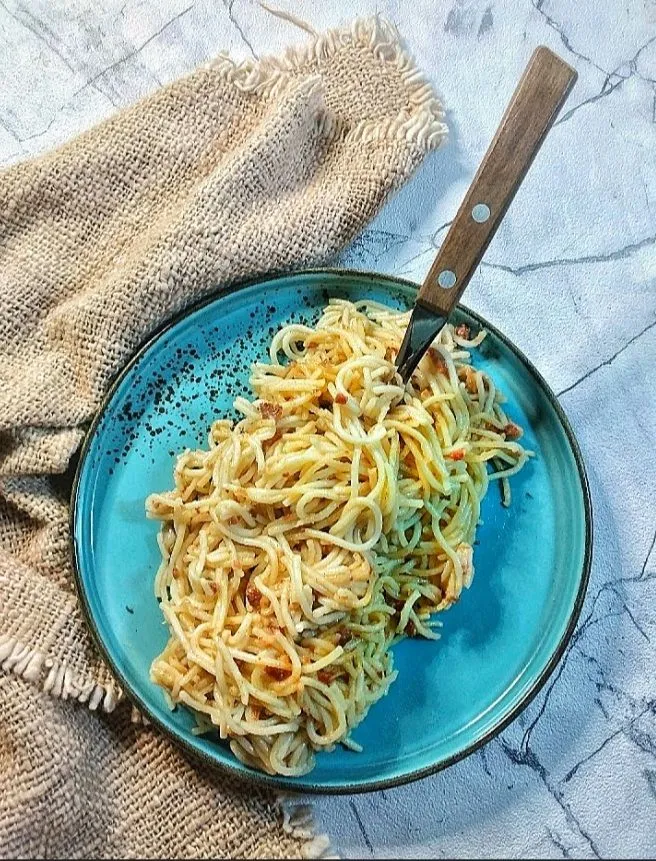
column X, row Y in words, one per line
column 335, row 517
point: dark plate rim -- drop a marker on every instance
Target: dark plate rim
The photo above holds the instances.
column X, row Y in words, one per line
column 302, row 785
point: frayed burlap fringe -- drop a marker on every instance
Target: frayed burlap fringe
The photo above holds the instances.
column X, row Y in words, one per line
column 269, row 76
column 298, row 820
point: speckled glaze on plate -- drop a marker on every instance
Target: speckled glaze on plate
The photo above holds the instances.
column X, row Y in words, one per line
column 499, row 643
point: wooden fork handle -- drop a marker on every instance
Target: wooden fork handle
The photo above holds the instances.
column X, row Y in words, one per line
column 532, row 110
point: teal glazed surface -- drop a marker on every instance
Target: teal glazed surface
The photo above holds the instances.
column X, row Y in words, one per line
column 499, row 643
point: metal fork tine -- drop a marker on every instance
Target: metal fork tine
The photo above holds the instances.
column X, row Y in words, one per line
column 424, row 326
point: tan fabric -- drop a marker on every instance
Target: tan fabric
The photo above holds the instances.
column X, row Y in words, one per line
column 225, row 174
column 105, row 788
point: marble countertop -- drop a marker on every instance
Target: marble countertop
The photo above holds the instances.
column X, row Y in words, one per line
column 570, row 277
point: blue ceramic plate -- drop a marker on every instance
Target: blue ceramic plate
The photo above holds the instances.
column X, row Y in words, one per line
column 499, row 643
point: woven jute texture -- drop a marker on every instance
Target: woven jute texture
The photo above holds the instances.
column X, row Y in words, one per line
column 228, row 173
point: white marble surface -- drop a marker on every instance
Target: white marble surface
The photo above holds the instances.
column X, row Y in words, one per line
column 571, row 277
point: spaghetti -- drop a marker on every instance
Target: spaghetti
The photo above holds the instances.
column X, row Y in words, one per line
column 337, row 516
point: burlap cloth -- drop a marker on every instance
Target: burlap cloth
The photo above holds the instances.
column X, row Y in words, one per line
column 230, row 172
